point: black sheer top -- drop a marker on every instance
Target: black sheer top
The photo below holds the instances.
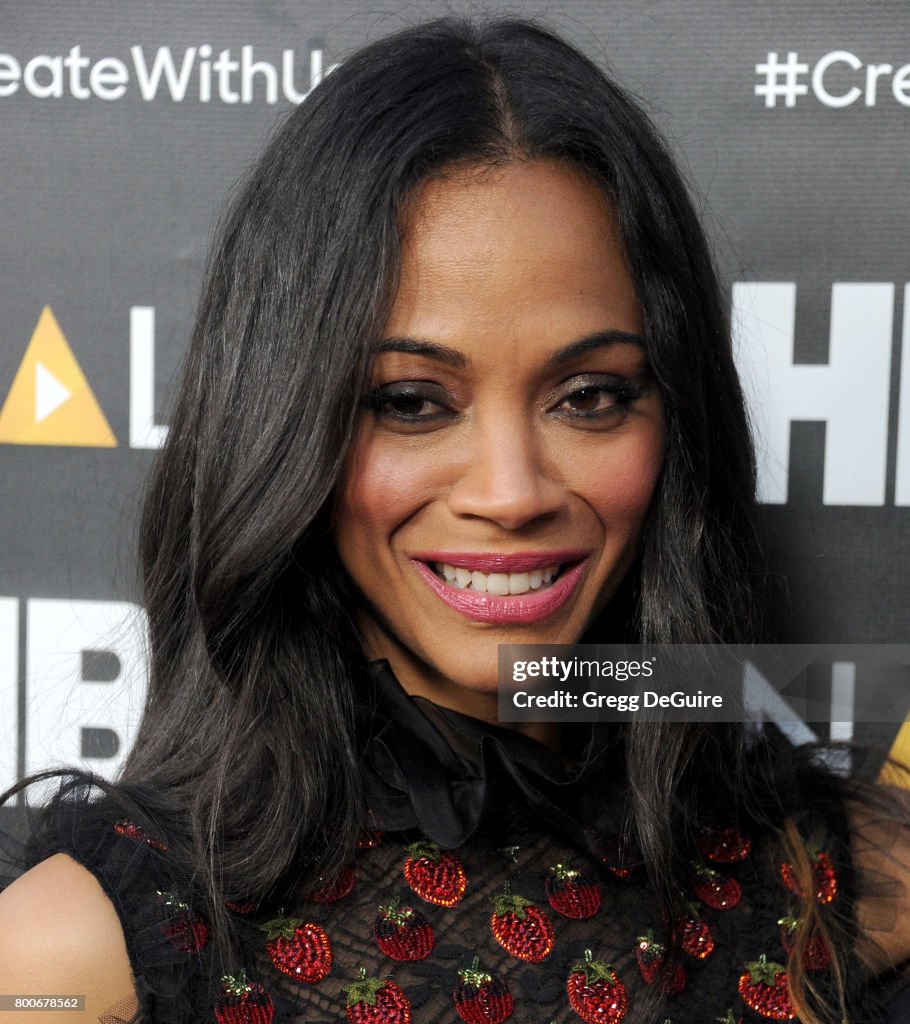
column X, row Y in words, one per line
column 493, row 884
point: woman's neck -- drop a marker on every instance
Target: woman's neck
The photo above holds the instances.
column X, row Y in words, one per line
column 418, row 679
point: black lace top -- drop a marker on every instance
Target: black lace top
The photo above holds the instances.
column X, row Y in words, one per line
column 496, row 885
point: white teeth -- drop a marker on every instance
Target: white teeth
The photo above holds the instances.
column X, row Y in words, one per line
column 518, row 583
column 500, row 584
column 497, row 583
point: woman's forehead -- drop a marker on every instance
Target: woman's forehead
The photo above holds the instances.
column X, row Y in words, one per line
column 521, row 250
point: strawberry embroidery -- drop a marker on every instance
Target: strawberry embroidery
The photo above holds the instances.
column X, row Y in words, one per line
column 125, row 827
column 376, row 1001
column 724, row 845
column 479, row 999
column 824, row 877
column 764, row 989
column 720, row 892
column 816, row 956
column 571, row 893
column 521, row 927
column 651, row 957
column 595, row 993
column 243, row 1002
column 434, row 874
column 332, row 890
column 695, row 936
column 299, row 949
column 403, row 932
column 179, row 923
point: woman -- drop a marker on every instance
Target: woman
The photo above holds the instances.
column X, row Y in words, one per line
column 460, row 377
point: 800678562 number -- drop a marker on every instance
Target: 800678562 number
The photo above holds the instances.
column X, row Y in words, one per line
column 29, row 1002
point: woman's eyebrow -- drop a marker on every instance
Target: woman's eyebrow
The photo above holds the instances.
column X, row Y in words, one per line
column 452, row 357
column 423, row 348
column 600, row 339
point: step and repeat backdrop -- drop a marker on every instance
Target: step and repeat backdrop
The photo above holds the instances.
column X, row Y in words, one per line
column 125, row 125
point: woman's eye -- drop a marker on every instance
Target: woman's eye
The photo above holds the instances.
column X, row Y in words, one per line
column 406, row 404
column 596, row 399
column 588, row 400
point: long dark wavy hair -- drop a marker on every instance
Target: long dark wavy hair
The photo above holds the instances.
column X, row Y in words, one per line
column 254, row 650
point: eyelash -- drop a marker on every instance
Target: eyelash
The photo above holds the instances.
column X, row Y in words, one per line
column 623, row 391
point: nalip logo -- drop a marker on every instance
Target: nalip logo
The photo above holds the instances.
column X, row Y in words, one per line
column 51, row 402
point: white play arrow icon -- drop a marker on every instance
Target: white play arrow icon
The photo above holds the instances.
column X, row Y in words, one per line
column 50, row 394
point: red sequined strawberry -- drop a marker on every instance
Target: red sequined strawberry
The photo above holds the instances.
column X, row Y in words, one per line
column 298, row 948
column 715, row 890
column 403, row 932
column 479, row 999
column 243, row 1002
column 333, row 889
column 571, row 893
column 521, row 927
column 816, row 956
column 125, row 827
column 695, row 936
column 764, row 989
column 376, row 1001
column 651, row 956
column 595, row 992
column 724, row 845
column 179, row 923
column 434, row 874
column 824, row 877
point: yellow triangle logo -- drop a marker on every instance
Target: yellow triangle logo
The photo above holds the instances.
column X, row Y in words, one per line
column 899, row 752
column 50, row 401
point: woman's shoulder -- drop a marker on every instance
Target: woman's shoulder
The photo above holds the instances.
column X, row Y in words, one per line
column 94, row 880
column 60, row 935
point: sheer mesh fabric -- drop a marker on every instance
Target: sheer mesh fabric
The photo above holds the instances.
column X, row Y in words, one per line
column 627, row 912
column 177, row 982
column 121, row 1012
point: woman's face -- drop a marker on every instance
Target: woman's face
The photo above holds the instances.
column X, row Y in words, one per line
column 508, row 452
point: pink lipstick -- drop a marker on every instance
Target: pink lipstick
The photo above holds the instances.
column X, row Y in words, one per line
column 531, row 606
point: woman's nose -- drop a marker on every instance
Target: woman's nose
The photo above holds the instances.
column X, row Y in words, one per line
column 506, row 476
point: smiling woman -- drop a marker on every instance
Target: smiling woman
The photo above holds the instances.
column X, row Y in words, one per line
column 513, row 433
column 461, row 376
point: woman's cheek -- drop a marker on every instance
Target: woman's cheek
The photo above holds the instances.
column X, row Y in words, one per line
column 386, row 483
column 617, row 481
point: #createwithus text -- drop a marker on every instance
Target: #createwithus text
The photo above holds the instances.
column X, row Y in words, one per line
column 198, row 72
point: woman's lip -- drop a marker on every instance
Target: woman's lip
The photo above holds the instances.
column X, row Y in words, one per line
column 491, row 561
column 519, row 608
